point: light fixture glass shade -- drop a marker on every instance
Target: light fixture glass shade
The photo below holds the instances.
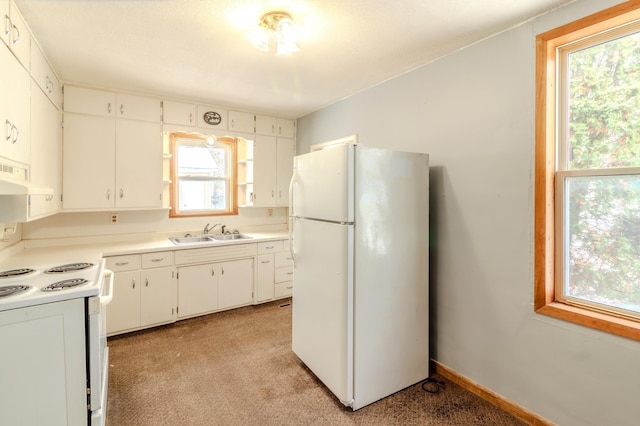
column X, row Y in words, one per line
column 286, row 37
column 282, row 26
column 258, row 38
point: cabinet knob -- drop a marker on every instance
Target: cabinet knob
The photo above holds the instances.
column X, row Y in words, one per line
column 109, row 107
column 146, row 282
column 108, row 194
column 133, row 283
column 121, row 109
column 121, row 193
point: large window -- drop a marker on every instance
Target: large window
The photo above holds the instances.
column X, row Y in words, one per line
column 587, row 219
column 203, row 175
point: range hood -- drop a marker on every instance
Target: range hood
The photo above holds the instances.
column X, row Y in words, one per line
column 11, row 187
column 13, row 181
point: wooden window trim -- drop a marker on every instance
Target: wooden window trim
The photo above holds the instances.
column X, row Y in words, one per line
column 233, row 186
column 545, row 163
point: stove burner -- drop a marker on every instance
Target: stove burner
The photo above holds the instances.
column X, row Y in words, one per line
column 9, row 290
column 70, row 267
column 11, row 273
column 63, row 285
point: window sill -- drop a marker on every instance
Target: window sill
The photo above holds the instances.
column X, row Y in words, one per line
column 600, row 321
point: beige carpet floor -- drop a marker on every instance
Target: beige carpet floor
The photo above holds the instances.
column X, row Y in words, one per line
column 237, row 368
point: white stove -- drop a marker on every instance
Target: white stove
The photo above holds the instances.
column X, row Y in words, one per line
column 58, row 310
column 34, row 285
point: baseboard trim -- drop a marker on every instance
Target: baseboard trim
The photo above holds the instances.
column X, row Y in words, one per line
column 488, row 395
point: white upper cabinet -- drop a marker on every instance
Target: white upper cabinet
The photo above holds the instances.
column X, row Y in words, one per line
column 138, row 108
column 273, row 126
column 43, row 75
column 285, row 151
column 241, row 122
column 15, row 33
column 285, row 128
column 179, row 113
column 112, row 152
column 265, row 125
column 14, row 109
column 89, row 101
column 212, row 119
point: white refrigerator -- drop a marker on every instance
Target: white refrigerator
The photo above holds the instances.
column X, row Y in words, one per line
column 359, row 228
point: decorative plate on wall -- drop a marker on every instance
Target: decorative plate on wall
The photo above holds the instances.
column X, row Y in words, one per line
column 212, row 117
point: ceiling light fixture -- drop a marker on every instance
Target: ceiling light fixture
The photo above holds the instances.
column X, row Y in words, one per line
column 280, row 24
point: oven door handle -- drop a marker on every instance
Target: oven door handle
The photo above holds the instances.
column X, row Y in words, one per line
column 108, row 296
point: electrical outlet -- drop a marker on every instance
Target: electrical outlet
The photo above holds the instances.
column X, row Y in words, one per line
column 269, row 212
column 114, row 218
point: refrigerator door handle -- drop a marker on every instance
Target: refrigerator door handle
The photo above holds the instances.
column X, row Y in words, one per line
column 294, row 178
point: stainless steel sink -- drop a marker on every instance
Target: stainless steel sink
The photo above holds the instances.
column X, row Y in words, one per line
column 228, row 237
column 190, row 240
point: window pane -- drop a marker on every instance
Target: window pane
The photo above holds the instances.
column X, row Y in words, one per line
column 202, row 161
column 603, row 240
column 203, row 195
column 604, row 105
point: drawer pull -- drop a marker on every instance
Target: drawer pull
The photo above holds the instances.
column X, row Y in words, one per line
column 121, row 263
column 289, row 273
column 269, row 247
column 290, row 287
column 266, row 261
column 133, row 283
column 160, row 259
column 147, row 282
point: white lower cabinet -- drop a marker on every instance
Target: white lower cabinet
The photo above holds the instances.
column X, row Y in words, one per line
column 145, row 292
column 215, row 286
column 275, row 271
column 283, row 285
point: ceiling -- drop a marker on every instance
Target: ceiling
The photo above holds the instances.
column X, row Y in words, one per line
column 196, row 49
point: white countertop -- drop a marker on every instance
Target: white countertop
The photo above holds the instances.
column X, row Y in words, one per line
column 27, row 253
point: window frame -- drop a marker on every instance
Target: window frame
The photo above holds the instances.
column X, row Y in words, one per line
column 175, row 212
column 546, row 133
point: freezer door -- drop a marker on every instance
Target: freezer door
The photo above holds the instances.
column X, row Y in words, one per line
column 323, row 183
column 322, row 302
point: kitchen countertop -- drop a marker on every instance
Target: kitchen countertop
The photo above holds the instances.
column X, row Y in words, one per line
column 37, row 252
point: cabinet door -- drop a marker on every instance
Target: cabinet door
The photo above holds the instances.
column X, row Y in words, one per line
column 264, row 287
column 138, row 164
column 235, row 286
column 89, row 101
column 123, row 313
column 265, row 125
column 284, row 164
column 20, row 37
column 5, row 23
column 158, row 296
column 241, row 122
column 179, row 113
column 285, row 128
column 138, row 108
column 43, row 75
column 88, row 158
column 197, row 289
column 264, row 171
column 46, row 153
column 14, row 109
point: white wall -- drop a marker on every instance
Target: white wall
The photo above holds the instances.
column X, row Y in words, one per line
column 473, row 112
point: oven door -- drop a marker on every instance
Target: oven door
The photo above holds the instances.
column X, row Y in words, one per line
column 98, row 353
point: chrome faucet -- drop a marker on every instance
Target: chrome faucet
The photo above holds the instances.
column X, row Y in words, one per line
column 207, row 229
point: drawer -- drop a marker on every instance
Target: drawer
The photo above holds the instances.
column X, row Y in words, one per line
column 283, row 258
column 270, row 247
column 158, row 259
column 284, row 274
column 128, row 262
column 283, row 289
